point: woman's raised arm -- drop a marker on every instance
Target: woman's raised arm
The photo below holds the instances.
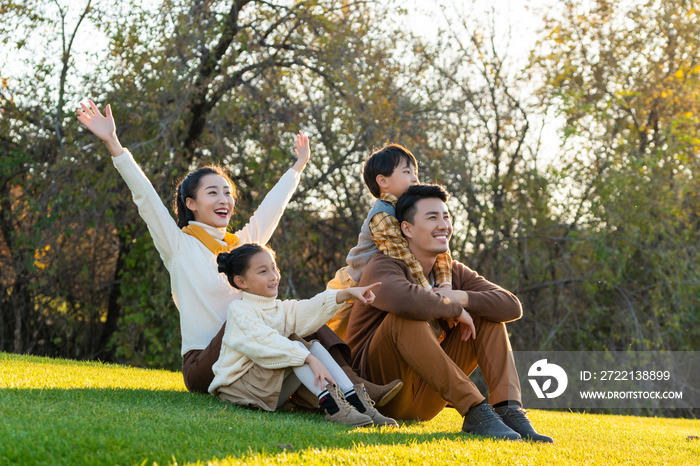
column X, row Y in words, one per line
column 264, row 221
column 166, row 235
column 101, row 126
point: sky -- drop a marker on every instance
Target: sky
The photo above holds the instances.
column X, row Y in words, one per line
column 519, row 20
column 517, row 24
column 425, row 17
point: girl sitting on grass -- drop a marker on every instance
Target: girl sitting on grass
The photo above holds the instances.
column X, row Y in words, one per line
column 263, row 361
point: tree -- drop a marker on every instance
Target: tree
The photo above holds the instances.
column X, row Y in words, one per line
column 190, row 84
column 34, row 193
column 626, row 81
column 484, row 144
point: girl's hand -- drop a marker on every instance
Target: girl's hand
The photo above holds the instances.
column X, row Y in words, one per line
column 303, row 152
column 321, row 375
column 361, row 293
column 101, row 126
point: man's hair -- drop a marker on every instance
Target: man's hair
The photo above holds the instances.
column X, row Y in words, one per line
column 383, row 162
column 406, row 206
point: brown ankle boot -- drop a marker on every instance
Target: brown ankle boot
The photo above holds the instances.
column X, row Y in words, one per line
column 346, row 414
column 378, row 418
column 381, row 394
column 304, row 399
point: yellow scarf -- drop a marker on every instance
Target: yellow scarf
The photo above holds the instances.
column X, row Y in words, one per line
column 213, row 245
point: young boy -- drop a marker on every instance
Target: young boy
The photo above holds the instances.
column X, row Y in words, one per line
column 388, row 172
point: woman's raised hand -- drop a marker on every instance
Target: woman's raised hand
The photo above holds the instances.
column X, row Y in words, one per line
column 303, row 152
column 101, row 126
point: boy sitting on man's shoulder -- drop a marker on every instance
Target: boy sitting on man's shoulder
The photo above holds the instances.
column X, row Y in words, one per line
column 388, row 173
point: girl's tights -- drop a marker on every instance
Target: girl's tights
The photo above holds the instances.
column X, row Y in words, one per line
column 304, row 375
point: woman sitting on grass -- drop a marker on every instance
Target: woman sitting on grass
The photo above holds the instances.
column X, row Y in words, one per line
column 263, row 361
column 205, row 201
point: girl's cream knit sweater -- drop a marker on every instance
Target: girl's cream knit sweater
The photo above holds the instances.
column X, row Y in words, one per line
column 257, row 329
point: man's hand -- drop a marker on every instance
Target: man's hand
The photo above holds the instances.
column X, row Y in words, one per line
column 321, row 374
column 361, row 293
column 303, row 152
column 466, row 326
column 457, row 296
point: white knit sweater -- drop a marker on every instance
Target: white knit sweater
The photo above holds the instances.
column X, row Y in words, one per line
column 257, row 329
column 200, row 292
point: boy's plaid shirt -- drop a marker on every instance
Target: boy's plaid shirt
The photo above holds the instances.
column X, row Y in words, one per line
column 386, row 234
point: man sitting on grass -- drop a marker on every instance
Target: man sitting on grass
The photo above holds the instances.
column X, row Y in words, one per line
column 433, row 339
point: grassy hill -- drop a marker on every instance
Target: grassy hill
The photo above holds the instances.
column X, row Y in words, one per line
column 56, row 412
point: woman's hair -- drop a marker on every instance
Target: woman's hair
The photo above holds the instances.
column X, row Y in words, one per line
column 188, row 188
column 237, row 262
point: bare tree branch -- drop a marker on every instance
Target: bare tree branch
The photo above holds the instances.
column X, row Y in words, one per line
column 65, row 60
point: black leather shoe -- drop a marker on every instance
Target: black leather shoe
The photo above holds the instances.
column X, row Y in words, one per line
column 483, row 420
column 516, row 418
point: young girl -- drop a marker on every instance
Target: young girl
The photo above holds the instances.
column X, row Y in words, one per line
column 263, row 361
column 205, row 201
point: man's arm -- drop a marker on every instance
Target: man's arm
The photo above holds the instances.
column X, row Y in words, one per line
column 400, row 295
column 484, row 298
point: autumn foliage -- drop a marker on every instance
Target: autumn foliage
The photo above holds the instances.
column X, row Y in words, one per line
column 599, row 240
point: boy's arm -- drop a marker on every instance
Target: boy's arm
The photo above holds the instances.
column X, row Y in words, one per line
column 386, row 234
column 442, row 270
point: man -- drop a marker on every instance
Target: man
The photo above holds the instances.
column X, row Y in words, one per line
column 432, row 340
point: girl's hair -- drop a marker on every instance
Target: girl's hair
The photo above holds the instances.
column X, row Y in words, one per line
column 188, row 188
column 237, row 262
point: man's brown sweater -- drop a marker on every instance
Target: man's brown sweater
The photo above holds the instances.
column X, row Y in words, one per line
column 399, row 294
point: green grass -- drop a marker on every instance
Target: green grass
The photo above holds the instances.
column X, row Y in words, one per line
column 55, row 411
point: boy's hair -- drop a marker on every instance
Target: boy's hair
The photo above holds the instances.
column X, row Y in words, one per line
column 237, row 262
column 406, row 206
column 383, row 162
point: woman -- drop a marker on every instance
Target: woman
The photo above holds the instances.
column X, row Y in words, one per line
column 188, row 248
